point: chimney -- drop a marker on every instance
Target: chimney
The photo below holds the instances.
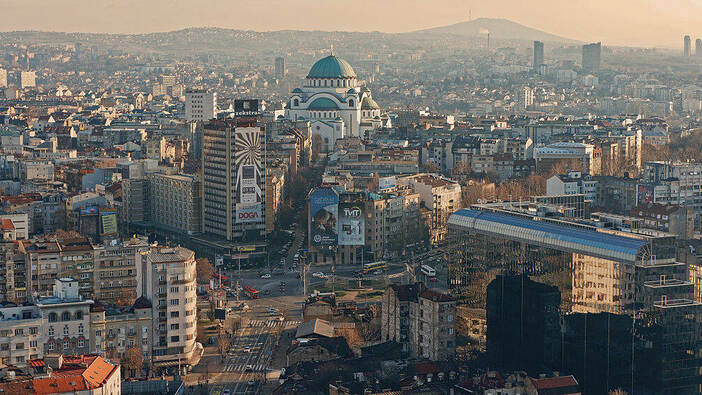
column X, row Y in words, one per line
column 54, row 361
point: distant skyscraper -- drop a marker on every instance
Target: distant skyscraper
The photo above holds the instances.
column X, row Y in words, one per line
column 687, row 46
column 200, row 105
column 280, row 67
column 591, row 56
column 698, row 47
column 538, row 54
column 3, row 78
column 28, row 79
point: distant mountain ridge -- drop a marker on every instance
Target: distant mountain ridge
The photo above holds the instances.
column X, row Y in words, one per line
column 499, row 29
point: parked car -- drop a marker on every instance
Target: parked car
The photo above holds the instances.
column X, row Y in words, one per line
column 267, row 275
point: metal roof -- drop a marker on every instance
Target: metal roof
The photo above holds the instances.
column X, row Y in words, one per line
column 331, row 67
column 548, row 234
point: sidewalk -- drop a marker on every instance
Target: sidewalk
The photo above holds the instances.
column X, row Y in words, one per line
column 279, row 360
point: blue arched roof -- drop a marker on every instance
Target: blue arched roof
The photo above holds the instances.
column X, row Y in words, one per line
column 323, row 103
column 331, row 67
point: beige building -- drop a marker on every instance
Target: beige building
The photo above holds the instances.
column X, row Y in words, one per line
column 66, row 325
column 113, row 333
column 44, row 259
column 440, row 196
column 166, row 275
column 115, row 271
column 176, row 202
column 275, row 181
column 14, row 276
column 422, row 320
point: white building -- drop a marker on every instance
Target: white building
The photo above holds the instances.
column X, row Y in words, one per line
column 166, row 276
column 200, row 105
column 575, row 154
column 334, row 102
column 20, row 333
column 28, row 79
column 573, row 183
column 439, row 196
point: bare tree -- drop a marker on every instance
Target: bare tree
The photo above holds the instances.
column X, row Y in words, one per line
column 133, row 361
column 223, row 344
column 430, row 167
column 204, row 269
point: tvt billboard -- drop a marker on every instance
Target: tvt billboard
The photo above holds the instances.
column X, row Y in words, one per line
column 351, row 224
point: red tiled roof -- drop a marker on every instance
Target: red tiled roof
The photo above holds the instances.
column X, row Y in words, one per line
column 59, row 385
column 423, row 368
column 7, row 225
column 36, row 363
column 435, row 296
column 554, row 382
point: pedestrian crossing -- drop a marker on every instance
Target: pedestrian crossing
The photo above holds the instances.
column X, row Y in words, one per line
column 274, row 324
column 242, row 367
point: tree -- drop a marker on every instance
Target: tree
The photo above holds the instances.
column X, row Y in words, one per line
column 430, row 167
column 205, row 270
column 133, row 361
column 223, row 344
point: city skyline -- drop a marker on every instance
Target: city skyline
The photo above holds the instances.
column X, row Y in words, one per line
column 621, row 23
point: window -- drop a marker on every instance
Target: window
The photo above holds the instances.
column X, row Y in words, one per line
column 98, row 333
column 19, row 346
column 33, row 344
column 351, row 103
column 175, row 314
column 174, row 289
column 19, row 332
column 33, row 330
column 51, row 346
column 52, row 317
column 65, row 330
column 51, row 331
column 65, row 316
column 81, row 343
column 79, row 315
column 296, row 102
column 4, row 346
column 19, row 359
column 175, row 339
column 174, row 302
column 175, row 326
column 80, row 329
column 65, row 345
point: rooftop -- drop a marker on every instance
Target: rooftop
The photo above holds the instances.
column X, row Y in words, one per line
column 331, row 67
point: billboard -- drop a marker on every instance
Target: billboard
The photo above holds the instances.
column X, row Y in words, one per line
column 248, row 214
column 89, row 210
column 324, row 207
column 351, row 224
column 644, row 194
column 386, row 182
column 249, row 164
column 247, row 108
column 108, row 223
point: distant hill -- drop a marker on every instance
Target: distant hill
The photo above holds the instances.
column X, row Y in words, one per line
column 499, row 29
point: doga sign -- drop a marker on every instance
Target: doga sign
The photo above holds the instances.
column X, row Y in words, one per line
column 248, row 214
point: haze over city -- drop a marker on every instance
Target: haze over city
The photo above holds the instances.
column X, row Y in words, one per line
column 225, row 197
column 643, row 23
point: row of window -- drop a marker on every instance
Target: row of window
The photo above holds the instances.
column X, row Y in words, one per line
column 66, row 316
column 52, row 331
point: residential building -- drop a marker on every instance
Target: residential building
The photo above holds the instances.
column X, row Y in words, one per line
column 76, row 374
column 577, row 156
column 28, row 79
column 20, row 334
column 591, row 57
column 677, row 220
column 439, row 196
column 422, row 320
column 66, row 318
column 176, row 202
column 573, row 183
column 279, row 69
column 115, row 271
column 538, row 58
column 113, row 332
column 166, row 276
column 200, row 105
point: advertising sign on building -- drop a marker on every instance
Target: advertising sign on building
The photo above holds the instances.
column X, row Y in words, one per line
column 248, row 160
column 644, row 194
column 324, row 208
column 247, row 108
column 351, row 224
column 248, row 214
column 386, row 183
column 108, row 223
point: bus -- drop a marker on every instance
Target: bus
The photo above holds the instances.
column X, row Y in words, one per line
column 428, row 271
column 371, row 267
column 252, row 293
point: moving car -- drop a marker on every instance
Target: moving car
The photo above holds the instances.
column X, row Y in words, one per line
column 249, row 368
column 267, row 275
column 247, row 349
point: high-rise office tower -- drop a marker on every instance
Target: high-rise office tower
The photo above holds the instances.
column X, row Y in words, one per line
column 698, row 47
column 200, row 105
column 591, row 56
column 233, row 168
column 280, row 67
column 687, row 44
column 538, row 54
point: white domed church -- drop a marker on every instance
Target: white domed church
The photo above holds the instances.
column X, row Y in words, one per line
column 334, row 103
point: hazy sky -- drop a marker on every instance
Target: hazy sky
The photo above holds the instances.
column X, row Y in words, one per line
column 619, row 22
